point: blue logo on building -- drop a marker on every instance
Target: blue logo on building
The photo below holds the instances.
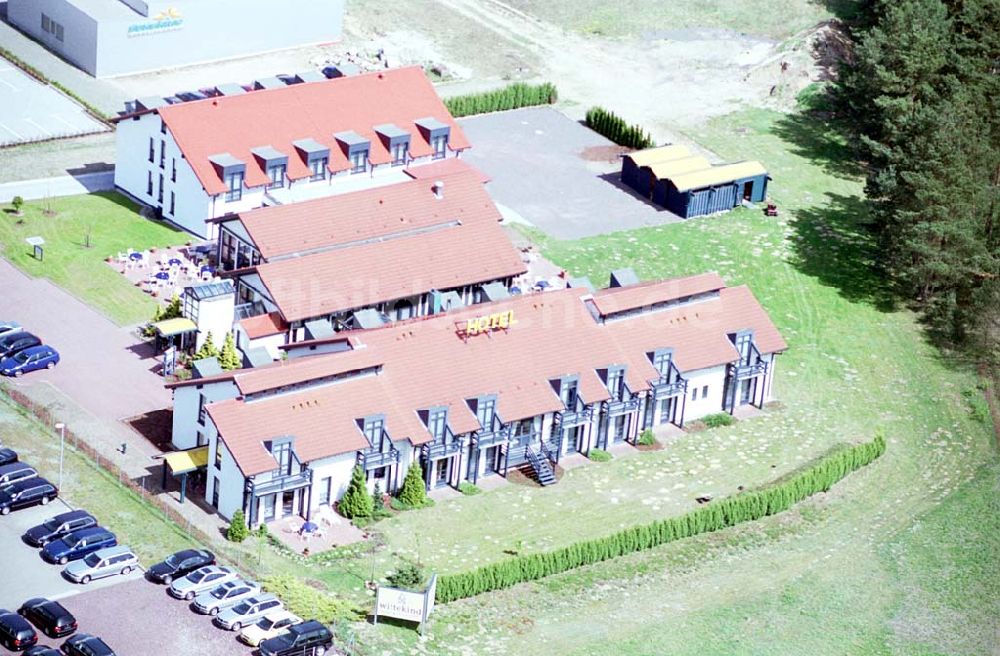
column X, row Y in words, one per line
column 168, row 19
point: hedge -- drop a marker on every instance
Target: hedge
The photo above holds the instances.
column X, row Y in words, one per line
column 511, row 96
column 308, row 602
column 616, row 129
column 743, row 507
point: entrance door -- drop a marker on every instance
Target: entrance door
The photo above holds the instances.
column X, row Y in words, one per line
column 572, row 439
column 745, row 395
column 492, row 460
column 441, row 470
column 269, row 507
column 618, row 425
column 748, row 190
column 287, row 503
column 667, row 410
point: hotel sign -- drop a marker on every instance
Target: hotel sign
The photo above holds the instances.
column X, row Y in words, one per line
column 166, row 20
column 490, row 322
column 404, row 604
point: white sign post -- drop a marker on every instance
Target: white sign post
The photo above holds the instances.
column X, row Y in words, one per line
column 405, row 604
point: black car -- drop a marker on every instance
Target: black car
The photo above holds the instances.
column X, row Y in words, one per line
column 180, row 564
column 27, row 492
column 58, row 527
column 7, row 456
column 15, row 632
column 50, row 616
column 307, row 638
column 42, row 650
column 11, row 343
column 83, row 644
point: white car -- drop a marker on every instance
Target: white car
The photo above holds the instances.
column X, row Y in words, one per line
column 200, row 580
column 247, row 612
column 224, row 596
column 273, row 624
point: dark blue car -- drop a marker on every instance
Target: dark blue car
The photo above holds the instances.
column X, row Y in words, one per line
column 78, row 544
column 30, row 359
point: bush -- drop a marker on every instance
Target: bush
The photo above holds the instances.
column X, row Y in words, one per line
column 238, row 531
column 468, row 489
column 207, row 349
column 718, row 420
column 402, row 506
column 646, row 438
column 408, row 577
column 308, row 602
column 356, row 501
column 173, row 309
column 614, row 128
column 413, row 492
column 510, row 97
column 229, row 357
column 17, row 203
column 743, row 507
column 599, row 455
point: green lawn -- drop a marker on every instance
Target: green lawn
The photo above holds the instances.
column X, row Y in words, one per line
column 855, row 571
column 113, row 225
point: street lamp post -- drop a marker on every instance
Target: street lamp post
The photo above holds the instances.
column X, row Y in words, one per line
column 61, row 427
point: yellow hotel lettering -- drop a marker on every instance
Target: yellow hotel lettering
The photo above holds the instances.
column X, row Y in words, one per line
column 489, row 322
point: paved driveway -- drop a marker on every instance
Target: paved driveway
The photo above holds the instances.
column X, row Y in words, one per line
column 139, row 618
column 33, row 111
column 543, row 167
column 25, row 574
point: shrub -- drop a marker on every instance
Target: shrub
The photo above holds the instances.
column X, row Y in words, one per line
column 616, row 129
column 729, row 511
column 207, row 349
column 356, row 501
column 468, row 489
column 599, row 455
column 17, row 203
column 511, row 96
column 238, row 531
column 413, row 492
column 229, row 357
column 308, row 602
column 718, row 420
column 646, row 438
column 409, row 577
column 173, row 309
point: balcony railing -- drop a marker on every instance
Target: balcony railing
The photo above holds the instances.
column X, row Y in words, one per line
column 444, row 446
column 281, row 483
column 623, row 406
column 247, row 310
column 664, row 389
column 569, row 419
column 497, row 433
column 742, row 372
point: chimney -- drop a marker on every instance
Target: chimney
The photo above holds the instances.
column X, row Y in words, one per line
column 438, row 189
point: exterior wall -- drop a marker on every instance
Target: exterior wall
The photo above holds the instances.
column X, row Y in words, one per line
column 715, row 379
column 185, row 418
column 80, row 31
column 229, row 479
column 271, row 343
column 338, row 469
column 215, row 315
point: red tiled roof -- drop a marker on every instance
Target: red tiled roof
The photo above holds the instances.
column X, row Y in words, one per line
column 264, row 325
column 619, row 299
column 361, row 276
column 426, row 363
column 369, row 214
column 318, row 110
column 443, row 167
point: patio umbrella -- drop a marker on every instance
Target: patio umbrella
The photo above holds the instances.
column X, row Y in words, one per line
column 309, row 527
column 542, row 284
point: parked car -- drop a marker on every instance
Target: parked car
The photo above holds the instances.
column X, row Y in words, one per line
column 224, row 596
column 29, row 359
column 12, row 342
column 273, row 624
column 16, row 634
column 42, row 650
column 78, row 544
column 180, row 564
column 50, row 616
column 247, row 612
column 104, row 562
column 306, row 638
column 29, row 492
column 9, row 327
column 7, row 456
column 200, row 580
column 83, row 644
column 16, row 471
column 58, row 526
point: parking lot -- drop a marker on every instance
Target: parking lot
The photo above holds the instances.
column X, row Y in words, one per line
column 556, row 173
column 25, row 574
column 32, row 111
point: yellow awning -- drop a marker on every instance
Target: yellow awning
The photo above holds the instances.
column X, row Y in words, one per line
column 674, row 167
column 718, row 175
column 660, row 154
column 184, row 462
column 171, row 327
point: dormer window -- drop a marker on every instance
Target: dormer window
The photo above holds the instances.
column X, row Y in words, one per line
column 399, row 154
column 234, row 186
column 317, row 169
column 373, row 429
column 231, row 171
column 437, row 422
column 315, row 155
column 359, row 161
column 436, row 133
column 281, row 451
column 440, row 146
column 396, row 140
column 276, row 175
column 661, row 361
column 356, row 148
column 274, row 163
column 616, row 383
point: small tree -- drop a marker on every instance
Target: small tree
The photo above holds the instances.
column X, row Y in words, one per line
column 207, row 349
column 409, row 577
column 377, row 502
column 173, row 309
column 413, row 493
column 17, row 202
column 229, row 358
column 238, row 531
column 646, row 438
column 356, row 501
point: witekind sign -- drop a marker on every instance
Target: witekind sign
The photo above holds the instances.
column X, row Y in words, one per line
column 169, row 19
column 404, row 604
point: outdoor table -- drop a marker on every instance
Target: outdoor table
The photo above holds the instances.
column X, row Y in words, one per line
column 174, row 261
column 162, row 275
column 135, row 256
column 208, row 269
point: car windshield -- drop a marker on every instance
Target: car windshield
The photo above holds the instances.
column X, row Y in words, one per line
column 21, row 357
column 266, row 623
column 197, row 576
column 72, row 539
column 52, row 524
column 221, row 592
column 92, row 560
column 241, row 608
column 172, row 560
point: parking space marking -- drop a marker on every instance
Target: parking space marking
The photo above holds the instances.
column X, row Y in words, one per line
column 3, row 81
column 40, row 128
column 16, row 135
column 60, row 118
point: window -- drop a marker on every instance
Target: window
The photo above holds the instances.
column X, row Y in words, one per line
column 159, row 192
column 484, row 413
column 404, row 310
column 218, row 459
column 173, row 201
column 524, row 427
column 228, row 250
column 743, row 346
column 283, row 455
column 399, row 153
column 569, row 394
column 201, row 441
column 234, row 184
column 704, row 391
column 436, row 423
column 440, row 145
column 163, row 154
column 318, row 168
column 59, row 30
column 374, row 427
column 149, row 183
column 359, row 161
column 277, row 175
column 201, row 409
column 661, row 361
column 694, row 394
column 46, row 24
column 173, row 169
column 615, row 379
column 325, row 486
column 163, row 127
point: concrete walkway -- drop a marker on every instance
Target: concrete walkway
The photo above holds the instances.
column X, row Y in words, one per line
column 64, row 185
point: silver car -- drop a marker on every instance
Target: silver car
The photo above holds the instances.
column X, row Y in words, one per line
column 101, row 563
column 247, row 612
column 224, row 596
column 200, row 580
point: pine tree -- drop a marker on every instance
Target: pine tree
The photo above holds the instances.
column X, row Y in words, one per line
column 238, row 531
column 229, row 357
column 356, row 501
column 413, row 492
column 377, row 502
column 173, row 309
column 207, row 349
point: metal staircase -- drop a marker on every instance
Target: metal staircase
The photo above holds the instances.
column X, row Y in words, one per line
column 543, row 470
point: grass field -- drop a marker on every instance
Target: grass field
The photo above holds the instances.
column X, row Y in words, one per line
column 898, row 559
column 113, row 225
